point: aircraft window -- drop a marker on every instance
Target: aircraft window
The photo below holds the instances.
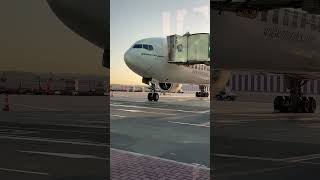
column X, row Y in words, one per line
column 275, row 18
column 137, row 46
column 313, row 22
column 303, row 20
column 295, row 19
column 145, row 46
column 286, row 18
column 264, row 16
column 150, row 47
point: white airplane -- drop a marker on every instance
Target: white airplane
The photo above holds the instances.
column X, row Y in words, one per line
column 272, row 37
column 149, row 59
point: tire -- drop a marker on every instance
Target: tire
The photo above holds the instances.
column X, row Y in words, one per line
column 219, row 97
column 197, row 94
column 312, row 105
column 278, row 103
column 150, row 96
column 305, row 105
column 155, row 96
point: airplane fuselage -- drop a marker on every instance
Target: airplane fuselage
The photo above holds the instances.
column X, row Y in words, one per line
column 280, row 41
column 154, row 64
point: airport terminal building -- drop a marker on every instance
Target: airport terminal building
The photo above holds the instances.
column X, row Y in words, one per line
column 263, row 83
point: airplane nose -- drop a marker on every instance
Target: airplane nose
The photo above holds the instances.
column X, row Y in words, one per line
column 86, row 18
column 128, row 58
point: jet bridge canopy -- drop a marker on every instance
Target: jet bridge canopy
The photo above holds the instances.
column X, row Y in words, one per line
column 189, row 49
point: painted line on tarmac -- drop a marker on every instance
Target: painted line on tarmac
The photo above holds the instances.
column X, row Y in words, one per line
column 303, row 158
column 144, row 112
column 34, row 107
column 166, row 109
column 53, row 141
column 249, row 157
column 120, row 116
column 298, row 159
column 24, row 171
column 65, row 155
column 190, row 124
column 194, row 165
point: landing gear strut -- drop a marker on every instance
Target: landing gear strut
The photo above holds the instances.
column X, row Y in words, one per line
column 153, row 95
column 202, row 92
column 296, row 102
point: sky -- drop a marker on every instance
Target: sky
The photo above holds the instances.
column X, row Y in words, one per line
column 132, row 20
column 32, row 39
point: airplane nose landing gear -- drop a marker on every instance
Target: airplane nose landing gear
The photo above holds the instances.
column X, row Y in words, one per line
column 202, row 92
column 296, row 102
column 153, row 95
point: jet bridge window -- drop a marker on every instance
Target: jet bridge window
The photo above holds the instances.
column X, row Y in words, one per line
column 295, row 19
column 313, row 22
column 303, row 20
column 275, row 17
column 319, row 24
column 137, row 46
column 264, row 16
column 286, row 18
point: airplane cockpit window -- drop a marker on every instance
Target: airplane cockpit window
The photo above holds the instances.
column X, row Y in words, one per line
column 137, row 46
column 145, row 46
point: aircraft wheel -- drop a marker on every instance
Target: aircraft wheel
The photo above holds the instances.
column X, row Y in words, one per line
column 150, row 96
column 304, row 105
column 312, row 105
column 278, row 103
column 155, row 96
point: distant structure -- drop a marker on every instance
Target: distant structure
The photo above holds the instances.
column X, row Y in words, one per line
column 266, row 83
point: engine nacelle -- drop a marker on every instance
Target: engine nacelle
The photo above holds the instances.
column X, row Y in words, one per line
column 219, row 80
column 170, row 87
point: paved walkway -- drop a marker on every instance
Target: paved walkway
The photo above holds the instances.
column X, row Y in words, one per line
column 127, row 165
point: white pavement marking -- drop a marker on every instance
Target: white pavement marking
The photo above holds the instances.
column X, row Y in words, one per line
column 139, row 111
column 23, row 171
column 162, row 159
column 120, row 116
column 66, row 155
column 83, row 126
column 248, row 157
column 190, row 124
column 177, row 110
column 288, row 160
column 34, row 107
column 54, row 141
column 303, row 158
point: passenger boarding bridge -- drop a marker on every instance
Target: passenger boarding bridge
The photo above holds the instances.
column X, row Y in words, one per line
column 189, row 49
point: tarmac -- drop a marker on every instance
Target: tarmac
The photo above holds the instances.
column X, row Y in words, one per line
column 168, row 139
column 66, row 137
column 54, row 137
column 250, row 141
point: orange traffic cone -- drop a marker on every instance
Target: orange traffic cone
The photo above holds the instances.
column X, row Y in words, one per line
column 6, row 103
